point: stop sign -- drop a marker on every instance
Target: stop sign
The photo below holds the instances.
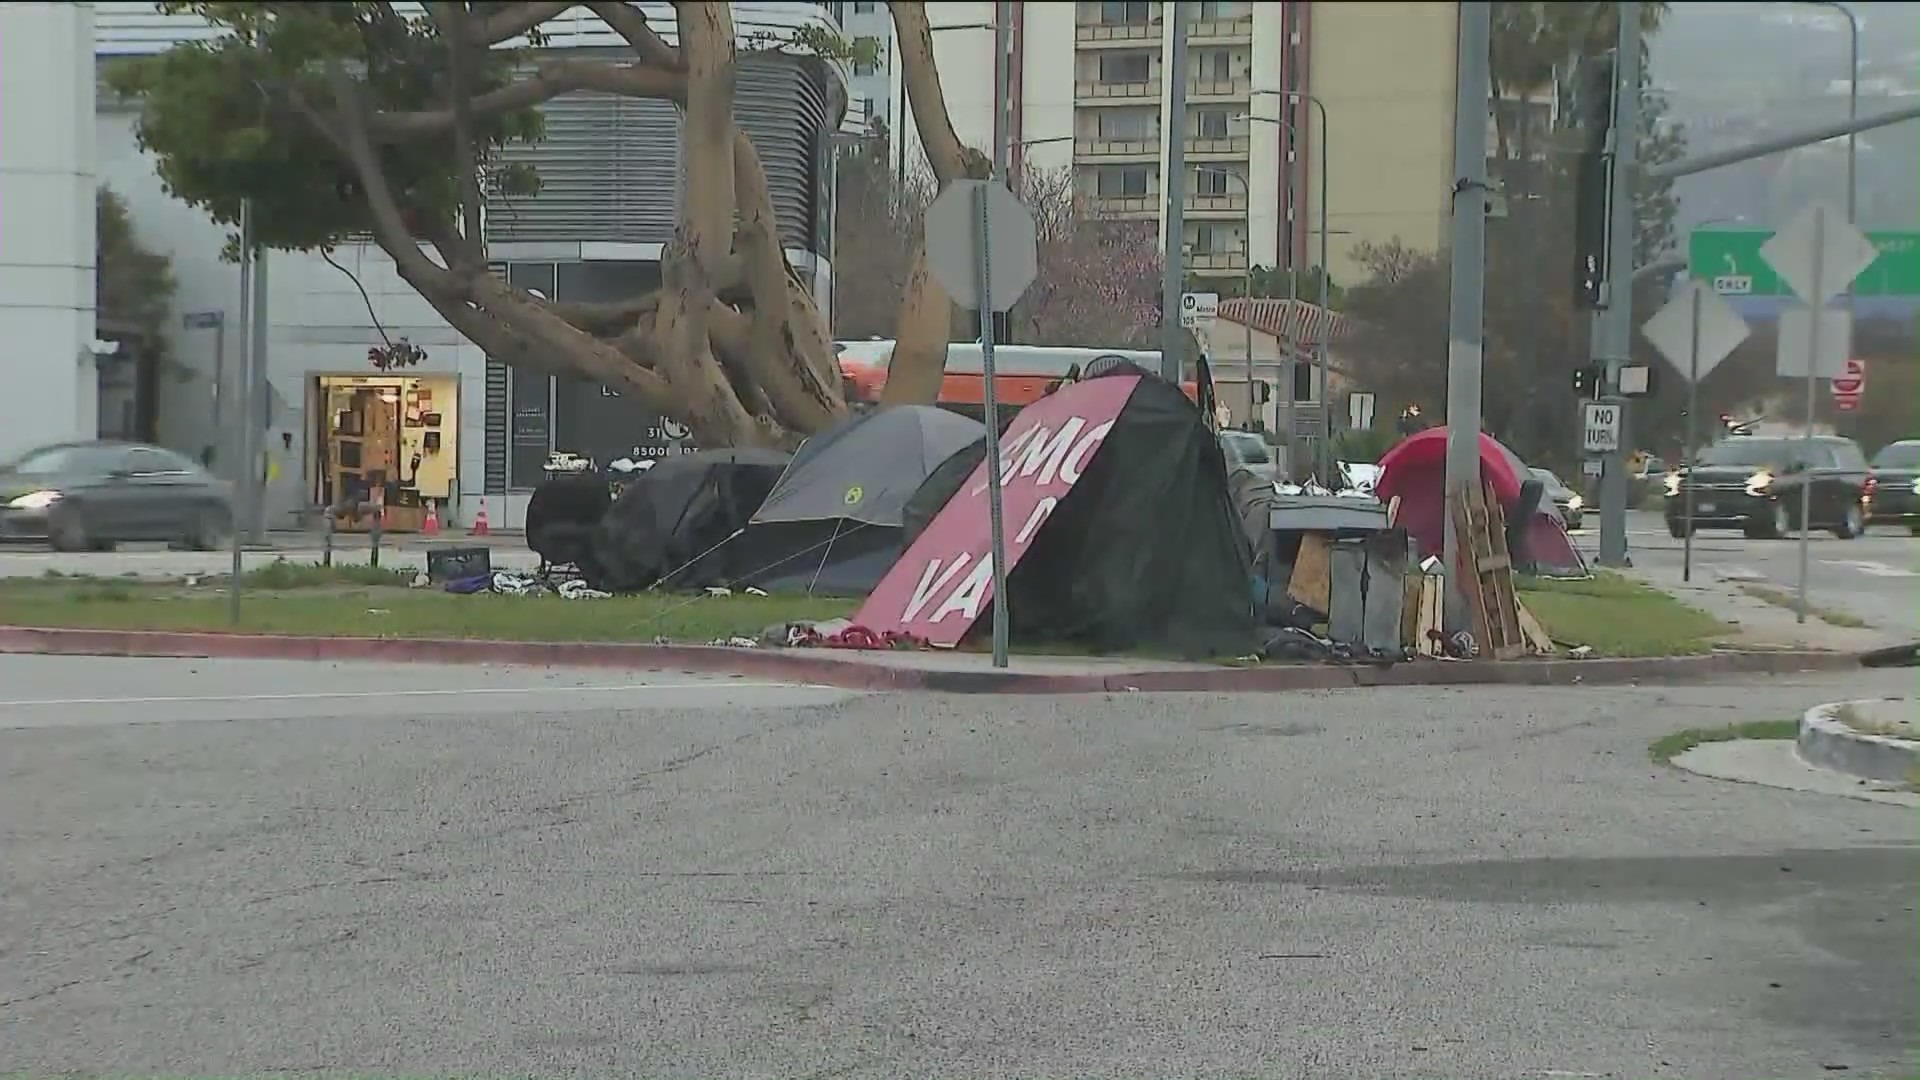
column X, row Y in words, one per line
column 1848, row 386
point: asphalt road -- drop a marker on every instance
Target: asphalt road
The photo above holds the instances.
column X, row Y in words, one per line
column 225, row 874
column 1875, row 577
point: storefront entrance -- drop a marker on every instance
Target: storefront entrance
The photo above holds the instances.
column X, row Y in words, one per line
column 386, row 440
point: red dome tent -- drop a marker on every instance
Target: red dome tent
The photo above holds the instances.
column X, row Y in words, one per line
column 1415, row 471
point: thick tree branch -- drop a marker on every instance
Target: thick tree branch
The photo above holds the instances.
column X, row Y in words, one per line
column 548, row 81
column 631, row 24
column 451, row 16
column 706, row 32
column 790, row 357
column 950, row 158
column 510, row 21
column 348, row 132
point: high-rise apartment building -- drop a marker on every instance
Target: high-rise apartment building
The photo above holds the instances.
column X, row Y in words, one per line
column 1089, row 91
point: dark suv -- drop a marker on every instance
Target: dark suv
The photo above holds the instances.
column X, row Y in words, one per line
column 1753, row 483
column 1895, row 497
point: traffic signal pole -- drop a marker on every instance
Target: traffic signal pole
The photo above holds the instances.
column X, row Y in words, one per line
column 1613, row 324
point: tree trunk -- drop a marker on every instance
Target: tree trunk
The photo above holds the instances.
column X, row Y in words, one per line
column 923, row 328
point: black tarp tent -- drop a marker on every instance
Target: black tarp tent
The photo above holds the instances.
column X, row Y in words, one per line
column 1145, row 551
column 670, row 527
column 833, row 524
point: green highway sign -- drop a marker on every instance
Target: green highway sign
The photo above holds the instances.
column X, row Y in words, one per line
column 1729, row 259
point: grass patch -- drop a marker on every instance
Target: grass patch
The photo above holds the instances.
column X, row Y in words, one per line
column 1667, row 747
column 1619, row 617
column 1781, row 599
column 359, row 602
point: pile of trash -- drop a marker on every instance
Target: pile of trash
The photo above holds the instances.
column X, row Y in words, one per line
column 506, row 584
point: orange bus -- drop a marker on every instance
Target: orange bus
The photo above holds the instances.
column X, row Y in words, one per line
column 1022, row 373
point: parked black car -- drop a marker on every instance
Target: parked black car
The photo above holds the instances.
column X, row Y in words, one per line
column 90, row 496
column 1895, row 497
column 1752, row 483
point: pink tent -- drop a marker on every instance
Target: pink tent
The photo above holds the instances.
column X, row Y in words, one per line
column 1415, row 470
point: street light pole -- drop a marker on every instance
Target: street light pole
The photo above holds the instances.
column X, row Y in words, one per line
column 1324, row 458
column 1246, row 281
column 1174, row 222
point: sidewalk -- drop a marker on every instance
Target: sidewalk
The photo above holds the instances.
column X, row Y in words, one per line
column 1759, row 624
column 304, row 540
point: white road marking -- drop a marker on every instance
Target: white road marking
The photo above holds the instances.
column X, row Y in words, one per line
column 360, row 694
column 1868, row 566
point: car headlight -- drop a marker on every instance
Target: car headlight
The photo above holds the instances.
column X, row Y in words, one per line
column 1759, row 482
column 35, row 500
column 1576, row 503
column 1673, row 483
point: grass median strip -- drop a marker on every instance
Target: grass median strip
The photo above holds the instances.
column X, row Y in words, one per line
column 1619, row 617
column 1668, row 747
column 358, row 602
column 1781, row 599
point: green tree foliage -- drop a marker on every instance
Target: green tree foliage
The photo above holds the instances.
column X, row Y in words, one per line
column 133, row 285
column 240, row 117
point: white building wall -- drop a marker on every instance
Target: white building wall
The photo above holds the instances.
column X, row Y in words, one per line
column 1046, row 84
column 318, row 324
column 46, row 225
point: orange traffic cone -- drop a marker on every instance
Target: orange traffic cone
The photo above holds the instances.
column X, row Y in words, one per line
column 480, row 520
column 431, row 526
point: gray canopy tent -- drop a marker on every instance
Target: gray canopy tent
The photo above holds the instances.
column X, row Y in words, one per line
column 834, row 523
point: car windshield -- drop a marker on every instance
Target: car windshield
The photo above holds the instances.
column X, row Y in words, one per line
column 1247, row 449
column 1901, row 455
column 1753, row 453
column 55, row 460
column 1547, row 478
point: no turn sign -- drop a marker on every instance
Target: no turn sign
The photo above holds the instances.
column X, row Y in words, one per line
column 1599, row 427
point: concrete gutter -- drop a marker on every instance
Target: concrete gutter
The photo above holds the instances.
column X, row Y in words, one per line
column 853, row 671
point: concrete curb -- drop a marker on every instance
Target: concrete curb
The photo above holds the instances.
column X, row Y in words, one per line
column 849, row 671
column 1831, row 743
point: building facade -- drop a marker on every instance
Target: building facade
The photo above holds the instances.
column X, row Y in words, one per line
column 607, row 206
column 47, row 227
column 1088, row 92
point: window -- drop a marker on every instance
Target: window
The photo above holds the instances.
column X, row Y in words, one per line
column 1128, row 124
column 1213, row 65
column 868, row 49
column 1213, row 182
column 1245, row 449
column 1210, row 124
column 863, row 7
column 1847, row 455
column 1121, row 182
column 1213, row 240
column 1900, row 455
column 1126, row 67
column 1217, row 9
column 1125, row 11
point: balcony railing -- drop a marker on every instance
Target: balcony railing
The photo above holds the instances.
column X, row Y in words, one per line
column 1126, row 206
column 1116, row 149
column 1215, row 148
column 1216, row 261
column 1218, row 89
column 1220, row 31
column 1100, row 33
column 1097, row 90
column 1233, row 203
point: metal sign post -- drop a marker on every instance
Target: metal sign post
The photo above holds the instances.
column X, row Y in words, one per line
column 990, row 399
column 1694, row 331
column 983, row 248
column 1818, row 255
column 243, row 472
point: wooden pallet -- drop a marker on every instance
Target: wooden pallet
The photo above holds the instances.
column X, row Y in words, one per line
column 1487, row 577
